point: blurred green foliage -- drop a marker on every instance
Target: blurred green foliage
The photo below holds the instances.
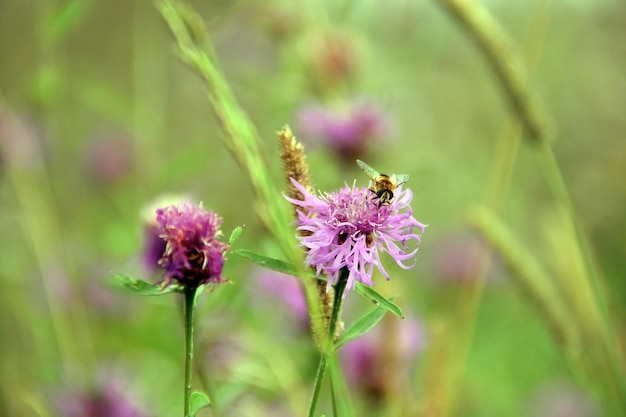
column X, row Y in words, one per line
column 98, row 117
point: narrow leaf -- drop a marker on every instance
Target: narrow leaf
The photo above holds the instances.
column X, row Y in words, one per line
column 362, row 325
column 198, row 401
column 342, row 406
column 234, row 235
column 141, row 287
column 266, row 262
column 379, row 299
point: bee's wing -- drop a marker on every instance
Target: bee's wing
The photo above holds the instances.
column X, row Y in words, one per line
column 371, row 172
column 399, row 179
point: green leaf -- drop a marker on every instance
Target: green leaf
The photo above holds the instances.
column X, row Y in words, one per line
column 270, row 263
column 198, row 401
column 379, row 299
column 362, row 325
column 234, row 235
column 141, row 287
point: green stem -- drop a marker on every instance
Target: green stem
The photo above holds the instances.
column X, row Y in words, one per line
column 328, row 349
column 340, row 287
column 188, row 307
column 339, row 391
column 321, row 371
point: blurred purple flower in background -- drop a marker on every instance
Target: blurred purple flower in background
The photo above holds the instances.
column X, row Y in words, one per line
column 89, row 291
column 285, row 290
column 348, row 229
column 563, row 400
column 348, row 132
column 193, row 256
column 107, row 399
column 374, row 363
column 459, row 257
column 22, row 141
column 109, row 156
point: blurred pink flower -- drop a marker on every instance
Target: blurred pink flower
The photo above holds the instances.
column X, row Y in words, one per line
column 459, row 257
column 371, row 361
column 349, row 132
column 285, row 290
column 563, row 400
column 109, row 156
column 22, row 141
column 106, row 399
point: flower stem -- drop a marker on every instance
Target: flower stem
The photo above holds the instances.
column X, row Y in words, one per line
column 328, row 350
column 188, row 307
column 339, row 391
column 321, row 371
column 340, row 287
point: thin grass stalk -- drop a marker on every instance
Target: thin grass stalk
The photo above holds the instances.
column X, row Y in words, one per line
column 498, row 50
column 590, row 310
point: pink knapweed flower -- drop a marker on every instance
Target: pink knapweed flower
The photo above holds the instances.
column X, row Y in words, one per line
column 349, row 229
column 193, row 256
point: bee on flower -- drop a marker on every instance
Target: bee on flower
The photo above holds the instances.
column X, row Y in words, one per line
column 383, row 185
column 348, row 229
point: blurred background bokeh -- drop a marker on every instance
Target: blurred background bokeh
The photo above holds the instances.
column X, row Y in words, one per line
column 99, row 119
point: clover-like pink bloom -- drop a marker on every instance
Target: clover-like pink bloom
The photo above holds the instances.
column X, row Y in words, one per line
column 349, row 229
column 193, row 256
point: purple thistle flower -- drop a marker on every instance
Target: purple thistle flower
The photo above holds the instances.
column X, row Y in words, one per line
column 348, row 229
column 193, row 255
